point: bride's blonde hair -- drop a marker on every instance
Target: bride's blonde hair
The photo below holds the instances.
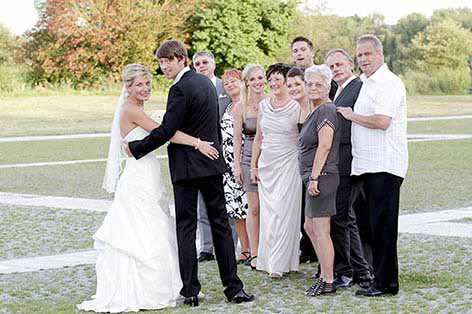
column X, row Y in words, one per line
column 245, row 91
column 133, row 71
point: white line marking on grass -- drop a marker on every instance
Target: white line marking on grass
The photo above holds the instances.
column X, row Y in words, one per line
column 437, row 137
column 52, row 163
column 431, row 223
column 54, row 202
column 438, row 223
column 411, row 138
column 23, row 265
column 64, row 162
column 101, row 135
column 51, row 137
column 439, row 118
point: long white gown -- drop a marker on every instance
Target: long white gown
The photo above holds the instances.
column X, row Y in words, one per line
column 137, row 266
column 280, row 189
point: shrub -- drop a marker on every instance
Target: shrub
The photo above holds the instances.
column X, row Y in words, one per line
column 441, row 82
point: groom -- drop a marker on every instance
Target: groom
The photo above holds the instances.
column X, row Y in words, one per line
column 192, row 107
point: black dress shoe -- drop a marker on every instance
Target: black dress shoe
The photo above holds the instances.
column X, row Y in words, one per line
column 369, row 291
column 205, row 256
column 191, row 301
column 343, row 282
column 241, row 296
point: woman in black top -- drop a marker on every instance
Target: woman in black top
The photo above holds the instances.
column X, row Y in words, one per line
column 318, row 144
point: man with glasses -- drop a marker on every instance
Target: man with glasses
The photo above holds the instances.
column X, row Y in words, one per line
column 204, row 63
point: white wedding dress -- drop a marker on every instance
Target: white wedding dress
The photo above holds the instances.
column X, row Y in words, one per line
column 137, row 266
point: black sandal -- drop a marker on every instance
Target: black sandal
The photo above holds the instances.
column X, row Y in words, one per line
column 247, row 255
column 249, row 260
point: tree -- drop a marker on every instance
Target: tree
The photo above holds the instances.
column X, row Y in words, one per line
column 8, row 46
column 87, row 41
column 444, row 44
column 239, row 32
column 407, row 27
column 463, row 16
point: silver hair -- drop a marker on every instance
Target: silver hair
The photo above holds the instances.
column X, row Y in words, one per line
column 322, row 71
column 207, row 54
column 372, row 39
column 133, row 71
column 341, row 51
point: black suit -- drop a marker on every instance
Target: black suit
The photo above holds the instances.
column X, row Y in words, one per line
column 192, row 108
column 349, row 257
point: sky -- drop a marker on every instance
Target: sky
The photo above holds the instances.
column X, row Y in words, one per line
column 20, row 15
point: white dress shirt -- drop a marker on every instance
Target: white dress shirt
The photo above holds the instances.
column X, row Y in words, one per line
column 179, row 76
column 376, row 150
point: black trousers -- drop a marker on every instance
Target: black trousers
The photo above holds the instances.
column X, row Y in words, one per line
column 348, row 254
column 186, row 194
column 306, row 247
column 378, row 207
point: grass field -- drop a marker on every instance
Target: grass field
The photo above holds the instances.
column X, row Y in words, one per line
column 45, row 115
column 435, row 272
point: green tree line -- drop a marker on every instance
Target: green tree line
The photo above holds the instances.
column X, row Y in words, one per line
column 86, row 43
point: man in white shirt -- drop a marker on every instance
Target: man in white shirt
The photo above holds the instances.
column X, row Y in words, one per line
column 204, row 63
column 380, row 159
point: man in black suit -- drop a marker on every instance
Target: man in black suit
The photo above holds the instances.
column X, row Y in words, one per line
column 192, row 108
column 349, row 261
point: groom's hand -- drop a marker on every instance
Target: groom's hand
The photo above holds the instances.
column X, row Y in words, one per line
column 126, row 149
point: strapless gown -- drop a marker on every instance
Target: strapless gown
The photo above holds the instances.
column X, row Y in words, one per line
column 137, row 266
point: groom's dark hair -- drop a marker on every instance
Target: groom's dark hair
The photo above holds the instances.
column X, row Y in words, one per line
column 172, row 49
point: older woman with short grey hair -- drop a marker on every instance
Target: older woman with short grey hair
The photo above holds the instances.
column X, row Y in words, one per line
column 318, row 145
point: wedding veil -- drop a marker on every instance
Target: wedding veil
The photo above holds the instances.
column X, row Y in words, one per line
column 114, row 166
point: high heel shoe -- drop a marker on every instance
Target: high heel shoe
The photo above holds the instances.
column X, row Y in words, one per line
column 249, row 262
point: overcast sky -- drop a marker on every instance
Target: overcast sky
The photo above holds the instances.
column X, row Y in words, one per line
column 20, row 15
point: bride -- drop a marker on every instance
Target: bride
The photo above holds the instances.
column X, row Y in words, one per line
column 137, row 266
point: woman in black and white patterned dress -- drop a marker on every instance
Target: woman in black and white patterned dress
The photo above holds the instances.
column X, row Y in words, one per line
column 236, row 201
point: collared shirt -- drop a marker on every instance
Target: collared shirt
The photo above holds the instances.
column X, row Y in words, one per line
column 179, row 76
column 213, row 80
column 340, row 88
column 376, row 150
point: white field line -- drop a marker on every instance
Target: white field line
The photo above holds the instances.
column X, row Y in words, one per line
column 54, row 202
column 58, row 163
column 98, row 135
column 437, row 137
column 438, row 223
column 431, row 223
column 23, row 265
column 439, row 118
column 51, row 137
column 411, row 138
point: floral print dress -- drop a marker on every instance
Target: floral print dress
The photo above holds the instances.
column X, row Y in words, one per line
column 236, row 201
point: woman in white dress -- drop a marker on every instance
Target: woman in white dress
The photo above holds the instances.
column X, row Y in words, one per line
column 275, row 165
column 137, row 266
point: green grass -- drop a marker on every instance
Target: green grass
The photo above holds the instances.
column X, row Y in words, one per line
column 58, row 150
column 427, row 106
column 439, row 176
column 26, row 232
column 434, row 273
column 79, row 113
column 456, row 126
column 64, row 114
column 426, row 186
column 77, row 180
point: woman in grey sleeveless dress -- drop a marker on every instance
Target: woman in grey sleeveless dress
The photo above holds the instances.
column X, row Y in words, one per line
column 275, row 164
column 245, row 124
